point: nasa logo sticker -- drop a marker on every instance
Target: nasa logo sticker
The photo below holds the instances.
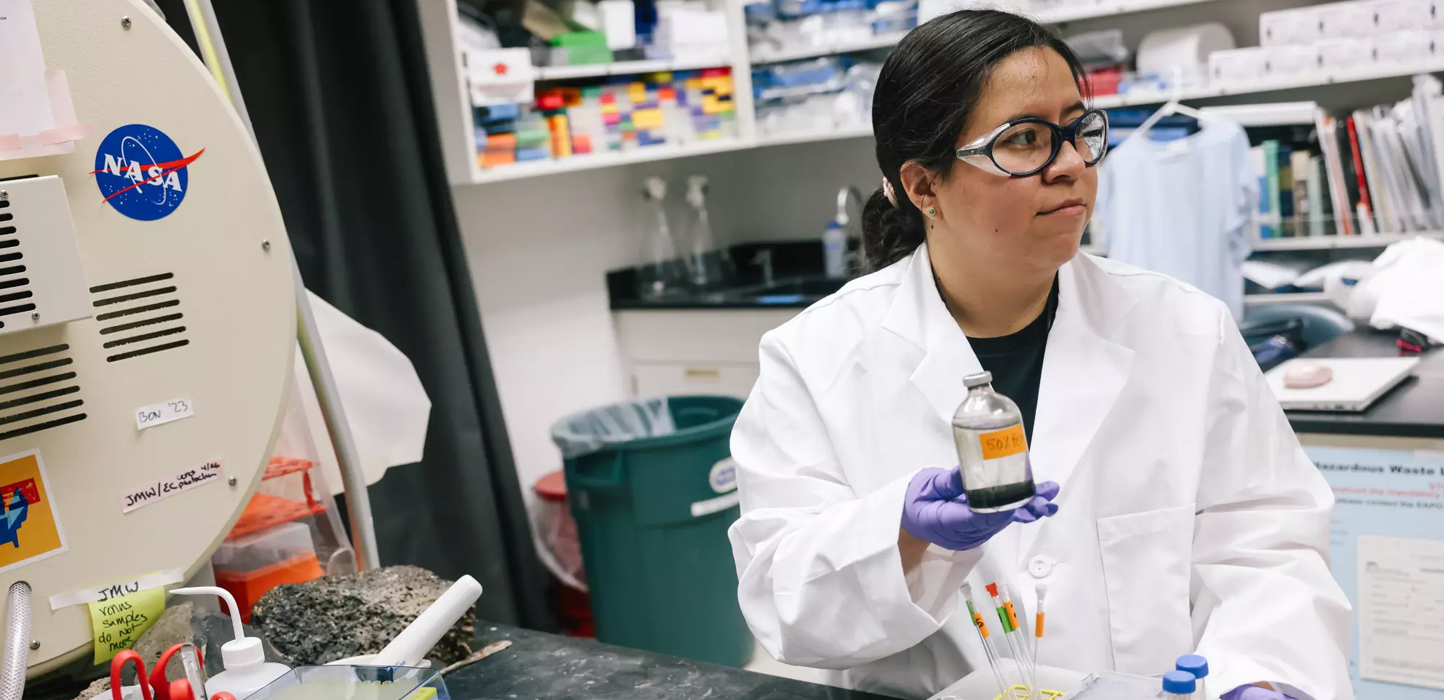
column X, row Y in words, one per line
column 141, row 172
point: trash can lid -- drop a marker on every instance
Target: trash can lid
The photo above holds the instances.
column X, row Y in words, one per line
column 552, row 487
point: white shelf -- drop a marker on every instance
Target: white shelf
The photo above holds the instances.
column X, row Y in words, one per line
column 1296, row 298
column 1337, row 242
column 855, row 132
column 1108, row 9
column 645, row 154
column 601, row 70
column 1153, row 97
column 829, row 49
column 1067, row 14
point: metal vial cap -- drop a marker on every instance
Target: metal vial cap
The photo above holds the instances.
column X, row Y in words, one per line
column 977, row 380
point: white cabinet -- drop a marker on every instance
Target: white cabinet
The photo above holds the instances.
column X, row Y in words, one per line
column 701, row 351
column 679, row 379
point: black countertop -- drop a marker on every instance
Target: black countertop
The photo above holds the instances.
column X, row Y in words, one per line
column 540, row 666
column 1414, row 409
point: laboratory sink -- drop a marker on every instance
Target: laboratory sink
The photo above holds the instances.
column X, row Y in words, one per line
column 791, row 290
column 807, row 286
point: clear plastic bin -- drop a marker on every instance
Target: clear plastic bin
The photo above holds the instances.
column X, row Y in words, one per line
column 356, row 683
column 250, row 565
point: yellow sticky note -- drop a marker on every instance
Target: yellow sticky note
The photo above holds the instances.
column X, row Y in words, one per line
column 118, row 622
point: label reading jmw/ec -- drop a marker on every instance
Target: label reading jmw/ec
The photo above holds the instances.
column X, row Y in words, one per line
column 1003, row 443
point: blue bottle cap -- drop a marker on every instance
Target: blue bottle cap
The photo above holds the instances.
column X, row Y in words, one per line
column 1195, row 664
column 1179, row 683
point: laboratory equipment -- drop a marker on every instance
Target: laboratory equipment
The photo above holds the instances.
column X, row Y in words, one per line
column 157, row 685
column 1179, row 685
column 992, row 448
column 663, row 273
column 1013, row 633
column 1197, row 666
column 708, row 266
column 411, row 646
column 1004, row 687
column 356, row 683
column 144, row 395
column 834, row 250
column 246, row 668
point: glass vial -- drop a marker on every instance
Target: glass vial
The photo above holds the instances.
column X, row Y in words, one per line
column 992, row 448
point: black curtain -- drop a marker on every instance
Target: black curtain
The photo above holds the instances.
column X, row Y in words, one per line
column 342, row 109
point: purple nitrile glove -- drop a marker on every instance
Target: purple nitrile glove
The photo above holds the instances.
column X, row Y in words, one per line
column 936, row 510
column 1253, row 692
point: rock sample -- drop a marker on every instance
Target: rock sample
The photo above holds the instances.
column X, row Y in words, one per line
column 337, row 617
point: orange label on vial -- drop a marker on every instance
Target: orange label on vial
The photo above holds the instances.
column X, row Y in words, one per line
column 1003, row 443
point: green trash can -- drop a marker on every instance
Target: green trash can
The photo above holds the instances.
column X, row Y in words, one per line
column 653, row 490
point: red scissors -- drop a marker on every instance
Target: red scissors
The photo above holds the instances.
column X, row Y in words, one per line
column 157, row 687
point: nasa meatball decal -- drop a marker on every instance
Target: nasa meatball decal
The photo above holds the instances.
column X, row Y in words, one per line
column 141, row 172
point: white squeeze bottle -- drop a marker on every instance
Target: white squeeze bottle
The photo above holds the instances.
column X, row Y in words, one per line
column 247, row 670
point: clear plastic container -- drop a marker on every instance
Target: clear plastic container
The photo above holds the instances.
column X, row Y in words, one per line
column 250, row 565
column 356, row 683
column 992, row 448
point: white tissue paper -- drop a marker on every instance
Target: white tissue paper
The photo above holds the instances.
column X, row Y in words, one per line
column 385, row 403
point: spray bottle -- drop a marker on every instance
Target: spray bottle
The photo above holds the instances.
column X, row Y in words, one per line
column 247, row 670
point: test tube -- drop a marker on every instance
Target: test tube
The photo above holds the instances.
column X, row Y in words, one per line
column 1020, row 615
column 1198, row 667
column 1179, row 685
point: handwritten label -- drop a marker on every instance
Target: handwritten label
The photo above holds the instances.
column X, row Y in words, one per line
column 118, row 622
column 1003, row 443
column 163, row 412
column 165, row 488
column 101, row 594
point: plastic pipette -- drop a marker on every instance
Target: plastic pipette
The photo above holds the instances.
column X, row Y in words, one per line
column 1019, row 611
column 1042, row 590
column 1004, row 689
column 1009, row 621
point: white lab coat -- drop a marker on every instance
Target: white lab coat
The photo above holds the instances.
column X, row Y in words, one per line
column 1189, row 520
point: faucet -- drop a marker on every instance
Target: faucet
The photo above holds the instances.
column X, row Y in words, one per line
column 764, row 259
column 846, row 196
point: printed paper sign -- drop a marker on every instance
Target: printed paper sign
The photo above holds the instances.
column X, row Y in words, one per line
column 143, row 496
column 24, row 99
column 1401, row 589
column 29, row 528
column 118, row 622
column 163, row 412
column 101, row 594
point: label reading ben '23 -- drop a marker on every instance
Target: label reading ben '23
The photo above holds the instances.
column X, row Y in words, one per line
column 141, row 172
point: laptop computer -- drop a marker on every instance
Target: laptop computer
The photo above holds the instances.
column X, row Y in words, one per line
column 1358, row 382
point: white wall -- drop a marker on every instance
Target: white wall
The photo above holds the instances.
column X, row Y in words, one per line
column 539, row 248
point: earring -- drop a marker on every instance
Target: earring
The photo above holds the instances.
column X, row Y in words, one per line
column 932, row 211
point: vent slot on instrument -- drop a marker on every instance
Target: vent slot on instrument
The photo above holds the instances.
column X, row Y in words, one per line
column 11, row 277
column 139, row 317
column 38, row 391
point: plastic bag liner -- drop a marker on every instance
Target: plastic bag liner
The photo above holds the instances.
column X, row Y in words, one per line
column 598, row 428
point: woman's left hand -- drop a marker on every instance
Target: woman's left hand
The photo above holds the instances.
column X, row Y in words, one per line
column 1252, row 692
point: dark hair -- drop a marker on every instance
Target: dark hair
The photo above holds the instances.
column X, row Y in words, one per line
column 928, row 87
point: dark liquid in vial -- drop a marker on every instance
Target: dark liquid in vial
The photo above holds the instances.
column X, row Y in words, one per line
column 1000, row 496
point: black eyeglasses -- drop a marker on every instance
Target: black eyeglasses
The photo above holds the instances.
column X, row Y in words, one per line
column 1028, row 146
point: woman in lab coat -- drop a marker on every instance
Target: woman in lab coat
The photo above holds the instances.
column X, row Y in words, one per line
column 1176, row 511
